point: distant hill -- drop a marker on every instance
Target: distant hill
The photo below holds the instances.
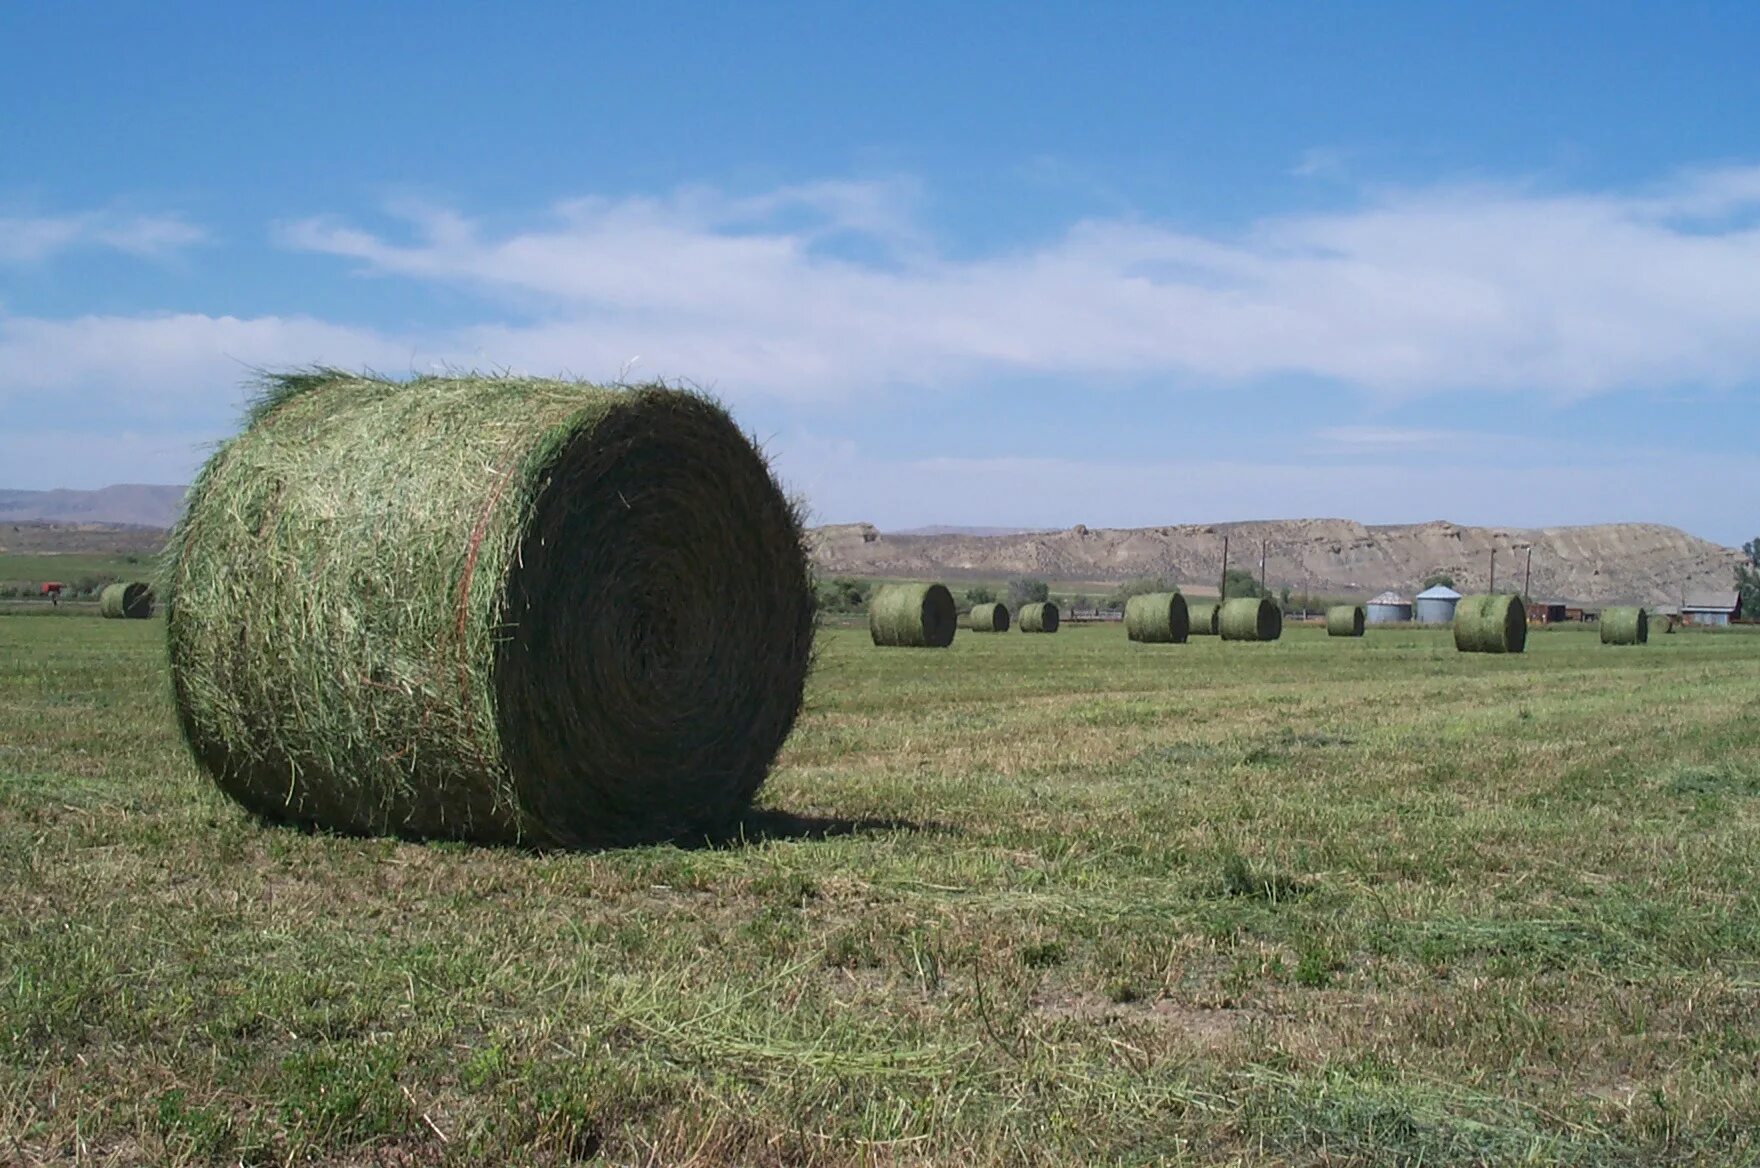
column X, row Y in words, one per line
column 130, row 504
column 1603, row 564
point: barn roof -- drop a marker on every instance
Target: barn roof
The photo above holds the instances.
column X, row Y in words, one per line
column 1711, row 602
column 1440, row 592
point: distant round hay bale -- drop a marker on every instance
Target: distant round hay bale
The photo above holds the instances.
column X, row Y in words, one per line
column 1039, row 617
column 1250, row 619
column 1491, row 624
column 912, row 616
column 131, row 600
column 1345, row 620
column 488, row 608
column 1625, row 626
column 1158, row 618
column 1201, row 619
column 990, row 618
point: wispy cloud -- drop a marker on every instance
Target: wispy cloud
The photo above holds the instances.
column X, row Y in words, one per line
column 28, row 239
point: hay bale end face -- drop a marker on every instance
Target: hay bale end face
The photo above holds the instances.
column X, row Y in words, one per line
column 912, row 616
column 132, row 600
column 990, row 618
column 1157, row 618
column 488, row 608
column 1201, row 619
column 1625, row 626
column 1250, row 619
column 1345, row 620
column 1039, row 617
column 1491, row 624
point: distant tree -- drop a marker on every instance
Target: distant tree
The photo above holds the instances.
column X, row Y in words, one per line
column 1238, row 583
column 1283, row 599
column 1748, row 580
column 1080, row 603
column 979, row 594
column 1439, row 578
column 843, row 594
column 1027, row 590
column 1139, row 586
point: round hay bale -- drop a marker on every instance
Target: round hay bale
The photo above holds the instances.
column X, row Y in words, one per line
column 1491, row 624
column 1250, row 619
column 1201, row 619
column 488, row 608
column 990, row 618
column 1158, row 618
column 131, row 600
column 1345, row 620
column 1625, row 626
column 912, row 616
column 1039, row 617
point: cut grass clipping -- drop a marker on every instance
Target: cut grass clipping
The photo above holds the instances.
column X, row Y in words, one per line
column 1625, row 626
column 488, row 608
column 1345, row 620
column 1201, row 619
column 130, row 601
column 990, row 618
column 1039, row 617
column 912, row 616
column 1157, row 618
column 1491, row 624
column 1250, row 619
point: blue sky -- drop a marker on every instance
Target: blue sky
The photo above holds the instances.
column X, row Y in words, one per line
column 1036, row 264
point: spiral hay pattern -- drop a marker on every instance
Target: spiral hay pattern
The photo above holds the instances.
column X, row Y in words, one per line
column 1345, row 620
column 990, row 618
column 1201, row 619
column 1039, row 617
column 132, row 600
column 488, row 608
column 1158, row 618
column 1625, row 626
column 1250, row 619
column 912, row 616
column 1491, row 624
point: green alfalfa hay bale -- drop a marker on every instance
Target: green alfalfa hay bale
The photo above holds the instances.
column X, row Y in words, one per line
column 130, row 600
column 1039, row 617
column 1250, row 619
column 1201, row 619
column 912, row 616
column 1625, row 626
column 990, row 618
column 1491, row 624
column 1158, row 618
column 1345, row 620
column 488, row 608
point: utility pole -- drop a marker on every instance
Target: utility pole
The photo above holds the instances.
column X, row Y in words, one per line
column 1264, row 546
column 1528, row 577
column 1222, row 585
column 1493, row 585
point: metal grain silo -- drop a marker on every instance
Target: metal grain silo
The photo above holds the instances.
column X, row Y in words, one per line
column 1435, row 606
column 1390, row 608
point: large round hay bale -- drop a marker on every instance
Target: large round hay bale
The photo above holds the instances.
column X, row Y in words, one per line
column 1625, row 626
column 912, row 616
column 488, row 608
column 131, row 600
column 1201, row 619
column 1250, row 619
column 1491, row 624
column 1039, row 617
column 1345, row 620
column 990, row 618
column 1158, row 618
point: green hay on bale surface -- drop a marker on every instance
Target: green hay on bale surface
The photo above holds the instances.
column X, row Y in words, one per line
column 1250, row 619
column 1491, row 624
column 1201, row 619
column 488, row 608
column 1625, row 626
column 1039, row 617
column 1345, row 620
column 913, row 616
column 1158, row 618
column 990, row 618
column 132, row 600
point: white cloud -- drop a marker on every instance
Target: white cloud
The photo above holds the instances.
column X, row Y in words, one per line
column 33, row 238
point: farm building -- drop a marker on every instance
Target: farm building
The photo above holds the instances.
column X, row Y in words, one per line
column 1435, row 606
column 1547, row 612
column 1712, row 608
column 1389, row 608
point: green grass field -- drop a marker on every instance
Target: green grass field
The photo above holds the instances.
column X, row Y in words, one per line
column 1027, row 901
